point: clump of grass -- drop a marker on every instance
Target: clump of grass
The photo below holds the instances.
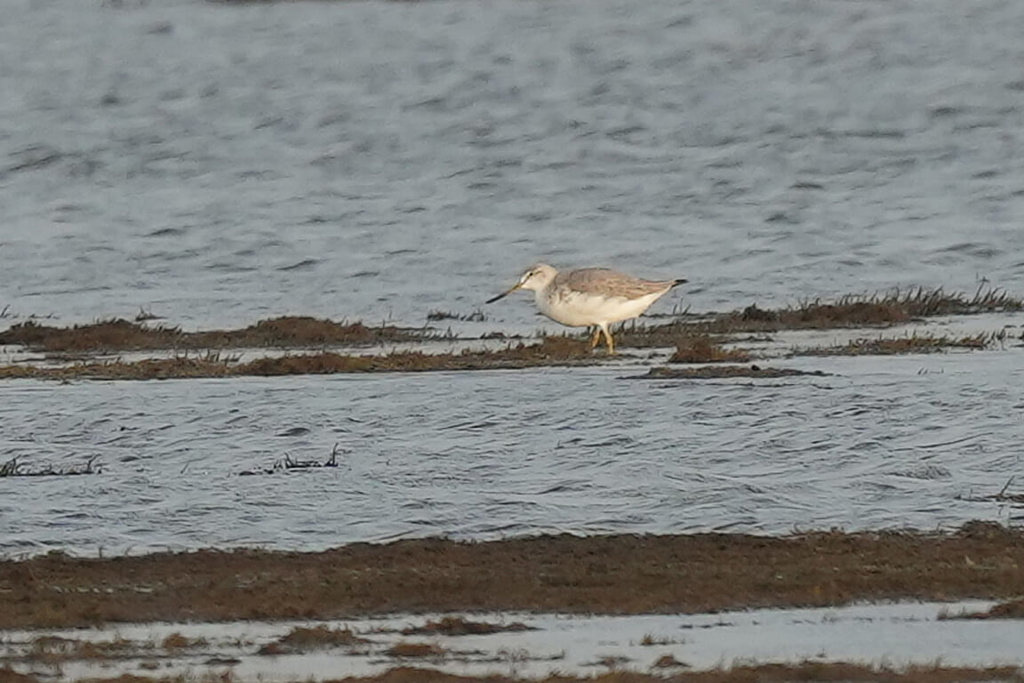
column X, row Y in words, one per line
column 638, row 335
column 51, row 648
column 913, row 343
column 57, row 649
column 406, row 650
column 613, row 662
column 703, row 349
column 476, row 316
column 304, row 639
column 898, row 306
column 459, row 626
column 650, row 640
column 986, row 299
column 668, row 662
column 176, row 642
column 985, row 530
column 852, row 310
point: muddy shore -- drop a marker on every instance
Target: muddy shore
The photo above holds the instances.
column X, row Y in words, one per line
column 622, row 574
column 299, row 345
column 563, row 574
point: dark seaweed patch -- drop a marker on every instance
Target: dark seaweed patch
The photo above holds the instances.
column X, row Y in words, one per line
column 13, row 468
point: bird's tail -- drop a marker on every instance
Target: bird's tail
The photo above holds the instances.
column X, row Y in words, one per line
column 676, row 283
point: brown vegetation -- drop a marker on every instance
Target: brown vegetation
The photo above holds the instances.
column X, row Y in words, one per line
column 741, row 673
column 912, row 343
column 702, row 349
column 284, row 332
column 304, row 639
column 459, row 626
column 52, row 649
column 304, row 331
column 638, row 335
column 844, row 671
column 415, row 650
column 649, row 641
column 176, row 641
column 880, row 310
column 551, row 351
column 667, row 662
column 696, row 339
column 9, row 675
column 623, row 574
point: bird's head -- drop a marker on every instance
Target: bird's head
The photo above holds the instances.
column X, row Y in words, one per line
column 536, row 277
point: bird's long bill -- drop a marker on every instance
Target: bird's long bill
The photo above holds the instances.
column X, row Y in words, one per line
column 503, row 294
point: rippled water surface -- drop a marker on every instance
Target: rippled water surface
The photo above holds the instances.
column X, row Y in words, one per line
column 218, row 163
column 916, row 441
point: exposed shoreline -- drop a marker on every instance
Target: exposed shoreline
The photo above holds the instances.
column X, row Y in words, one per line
column 619, row 574
column 291, row 345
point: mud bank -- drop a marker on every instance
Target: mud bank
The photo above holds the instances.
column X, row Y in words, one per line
column 623, row 574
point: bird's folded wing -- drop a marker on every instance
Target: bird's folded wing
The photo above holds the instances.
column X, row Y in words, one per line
column 605, row 282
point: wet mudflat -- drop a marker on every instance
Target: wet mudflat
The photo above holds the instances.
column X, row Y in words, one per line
column 878, row 310
column 139, row 334
column 909, row 641
column 887, row 420
column 304, row 345
column 549, row 352
column 705, row 607
column 568, row 574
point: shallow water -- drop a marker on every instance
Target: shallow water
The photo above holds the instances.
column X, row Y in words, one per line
column 892, row 635
column 216, row 164
column 908, row 441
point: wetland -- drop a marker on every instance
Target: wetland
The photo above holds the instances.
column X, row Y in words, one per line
column 295, row 211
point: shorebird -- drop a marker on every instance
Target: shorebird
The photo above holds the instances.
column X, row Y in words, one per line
column 591, row 297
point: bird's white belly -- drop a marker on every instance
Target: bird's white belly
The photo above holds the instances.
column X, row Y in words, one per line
column 578, row 309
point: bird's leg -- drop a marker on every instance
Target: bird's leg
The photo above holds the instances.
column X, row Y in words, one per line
column 609, row 340
column 596, row 338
